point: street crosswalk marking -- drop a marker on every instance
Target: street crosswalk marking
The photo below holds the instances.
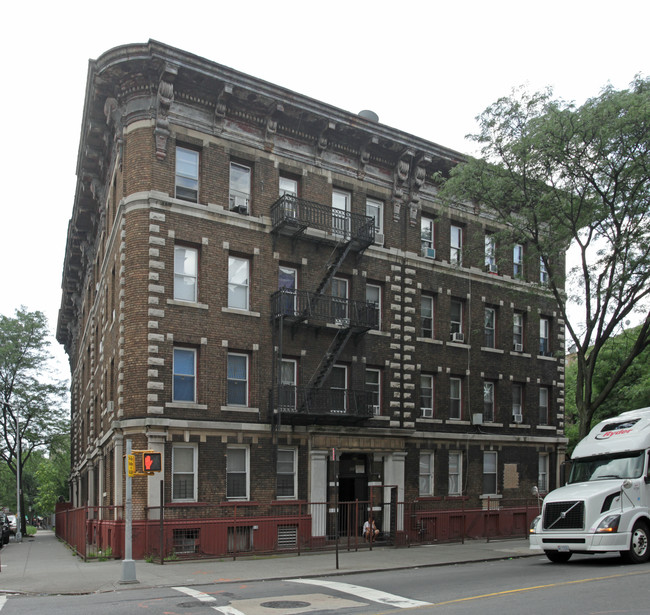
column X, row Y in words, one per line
column 203, row 597
column 365, row 592
column 3, row 599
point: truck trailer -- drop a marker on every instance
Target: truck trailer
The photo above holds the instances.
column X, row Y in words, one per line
column 605, row 504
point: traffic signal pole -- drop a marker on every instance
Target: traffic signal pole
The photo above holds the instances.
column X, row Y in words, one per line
column 128, row 564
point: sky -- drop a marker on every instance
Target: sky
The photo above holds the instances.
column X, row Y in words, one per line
column 425, row 67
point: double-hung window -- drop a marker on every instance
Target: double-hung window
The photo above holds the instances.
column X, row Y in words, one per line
column 426, row 474
column 288, row 390
column 544, row 332
column 455, row 398
column 341, row 212
column 518, row 332
column 237, row 379
column 373, row 297
column 373, row 386
column 339, row 389
column 184, row 478
column 288, row 285
column 185, row 273
column 490, row 254
column 184, row 381
column 426, row 317
column 240, row 188
column 542, row 472
column 340, row 300
column 518, row 261
column 375, row 210
column 237, row 483
column 289, row 190
column 489, row 472
column 455, row 473
column 456, row 320
column 426, row 396
column 543, row 271
column 543, row 405
column 238, row 283
column 427, row 237
column 489, row 327
column 187, row 174
column 517, row 402
column 286, row 484
column 456, row 251
column 488, row 401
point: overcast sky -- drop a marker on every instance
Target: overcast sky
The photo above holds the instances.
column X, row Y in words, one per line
column 426, row 67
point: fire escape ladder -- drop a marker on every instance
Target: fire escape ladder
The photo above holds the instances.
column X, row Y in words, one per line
column 333, row 266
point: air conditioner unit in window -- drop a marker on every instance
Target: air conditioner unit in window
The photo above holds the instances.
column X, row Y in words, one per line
column 342, row 322
column 491, row 267
column 517, row 418
column 457, row 337
column 429, row 252
column 379, row 239
column 518, row 347
column 376, row 410
column 477, row 418
column 239, row 204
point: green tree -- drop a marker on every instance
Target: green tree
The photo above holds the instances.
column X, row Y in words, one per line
column 555, row 176
column 52, row 476
column 32, row 401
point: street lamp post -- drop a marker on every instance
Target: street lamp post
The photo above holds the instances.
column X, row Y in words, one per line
column 19, row 521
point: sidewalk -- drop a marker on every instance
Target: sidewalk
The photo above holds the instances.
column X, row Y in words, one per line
column 43, row 565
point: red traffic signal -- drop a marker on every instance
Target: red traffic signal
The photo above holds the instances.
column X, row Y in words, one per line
column 152, row 462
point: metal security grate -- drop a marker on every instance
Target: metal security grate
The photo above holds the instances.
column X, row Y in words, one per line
column 287, row 536
column 564, row 515
column 186, row 541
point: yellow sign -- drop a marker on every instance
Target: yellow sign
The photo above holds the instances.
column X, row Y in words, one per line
column 131, row 463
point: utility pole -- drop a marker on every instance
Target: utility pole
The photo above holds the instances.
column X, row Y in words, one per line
column 128, row 564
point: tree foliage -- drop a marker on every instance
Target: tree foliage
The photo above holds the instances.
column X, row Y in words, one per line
column 555, row 176
column 32, row 400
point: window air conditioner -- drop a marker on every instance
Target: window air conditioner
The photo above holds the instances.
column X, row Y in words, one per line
column 491, row 267
column 477, row 419
column 457, row 337
column 518, row 347
column 239, row 204
column 376, row 410
column 342, row 322
column 429, row 252
column 379, row 239
column 517, row 418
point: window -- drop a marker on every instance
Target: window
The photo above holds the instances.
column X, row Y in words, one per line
column 426, row 317
column 341, row 212
column 456, row 253
column 373, row 296
column 543, row 405
column 373, row 386
column 518, row 332
column 187, row 174
column 542, row 472
column 184, row 383
column 427, row 236
column 489, row 324
column 288, row 282
column 286, row 487
column 238, row 282
column 455, row 398
column 288, row 186
column 237, row 473
column 339, row 388
column 456, row 320
column 517, row 402
column 240, row 187
column 544, row 330
column 426, row 474
column 489, row 472
column 426, row 396
column 185, row 273
column 518, row 261
column 455, row 473
column 543, row 271
column 340, row 300
column 237, row 379
column 490, row 254
column 184, row 481
column 375, row 210
column 289, row 369
column 488, row 401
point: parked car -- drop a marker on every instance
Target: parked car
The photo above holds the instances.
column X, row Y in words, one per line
column 6, row 530
column 12, row 524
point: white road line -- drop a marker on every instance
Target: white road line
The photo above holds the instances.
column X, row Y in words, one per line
column 3, row 599
column 365, row 592
column 203, row 597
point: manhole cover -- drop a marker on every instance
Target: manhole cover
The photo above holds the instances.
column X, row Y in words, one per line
column 285, row 604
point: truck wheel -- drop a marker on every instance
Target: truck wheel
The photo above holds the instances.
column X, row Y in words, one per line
column 639, row 548
column 559, row 557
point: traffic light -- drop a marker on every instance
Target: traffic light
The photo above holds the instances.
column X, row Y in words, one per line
column 151, row 462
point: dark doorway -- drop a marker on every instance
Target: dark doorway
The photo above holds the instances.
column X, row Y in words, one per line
column 353, row 492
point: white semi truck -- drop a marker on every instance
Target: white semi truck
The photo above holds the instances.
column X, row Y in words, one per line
column 605, row 504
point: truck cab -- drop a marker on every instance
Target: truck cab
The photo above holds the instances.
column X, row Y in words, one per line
column 605, row 504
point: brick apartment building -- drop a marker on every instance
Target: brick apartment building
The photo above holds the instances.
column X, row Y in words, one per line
column 254, row 279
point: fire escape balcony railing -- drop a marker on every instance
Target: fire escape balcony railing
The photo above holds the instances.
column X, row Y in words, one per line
column 303, row 402
column 293, row 215
column 299, row 305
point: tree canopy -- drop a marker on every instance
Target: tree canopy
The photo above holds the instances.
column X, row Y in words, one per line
column 555, row 176
column 31, row 399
